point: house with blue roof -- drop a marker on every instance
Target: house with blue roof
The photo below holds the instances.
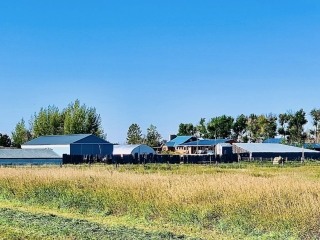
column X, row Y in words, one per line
column 73, row 144
column 201, row 145
column 191, row 145
column 173, row 143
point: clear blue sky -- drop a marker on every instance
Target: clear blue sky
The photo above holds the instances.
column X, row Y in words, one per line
column 158, row 62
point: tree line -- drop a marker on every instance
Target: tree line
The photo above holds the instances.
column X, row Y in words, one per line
column 135, row 136
column 80, row 119
column 256, row 128
column 74, row 119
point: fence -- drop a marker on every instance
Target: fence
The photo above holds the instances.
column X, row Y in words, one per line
column 149, row 158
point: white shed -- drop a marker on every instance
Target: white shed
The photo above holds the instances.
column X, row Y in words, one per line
column 132, row 149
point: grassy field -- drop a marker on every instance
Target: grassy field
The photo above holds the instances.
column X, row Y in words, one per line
column 253, row 201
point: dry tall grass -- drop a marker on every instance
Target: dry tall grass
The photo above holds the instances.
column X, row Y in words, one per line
column 251, row 200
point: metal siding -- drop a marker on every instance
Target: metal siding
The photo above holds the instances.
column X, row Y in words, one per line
column 30, row 161
column 91, row 149
column 270, row 147
column 59, row 149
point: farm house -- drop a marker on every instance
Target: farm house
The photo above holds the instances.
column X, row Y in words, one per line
column 271, row 150
column 74, row 144
column 28, row 156
column 132, row 149
column 202, row 145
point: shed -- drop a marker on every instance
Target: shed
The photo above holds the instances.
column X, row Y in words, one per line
column 73, row 144
column 29, row 156
column 223, row 148
column 132, row 149
column 270, row 150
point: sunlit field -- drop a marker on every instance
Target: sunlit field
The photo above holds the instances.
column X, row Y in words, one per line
column 161, row 202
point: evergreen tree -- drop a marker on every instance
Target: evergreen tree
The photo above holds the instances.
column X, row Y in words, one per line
column 20, row 135
column 134, row 135
column 153, row 138
column 5, row 140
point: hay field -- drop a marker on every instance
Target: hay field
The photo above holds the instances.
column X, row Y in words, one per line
column 178, row 201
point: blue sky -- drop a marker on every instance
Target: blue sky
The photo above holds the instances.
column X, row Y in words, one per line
column 158, row 62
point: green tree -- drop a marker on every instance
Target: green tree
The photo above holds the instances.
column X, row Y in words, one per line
column 296, row 124
column 5, row 140
column 220, row 127
column 315, row 114
column 74, row 119
column 134, row 134
column 153, row 137
column 283, row 121
column 267, row 126
column 202, row 128
column 20, row 135
column 240, row 127
column 78, row 119
column 47, row 122
column 186, row 129
column 253, row 128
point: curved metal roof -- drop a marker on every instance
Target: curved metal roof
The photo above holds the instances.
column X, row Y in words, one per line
column 131, row 149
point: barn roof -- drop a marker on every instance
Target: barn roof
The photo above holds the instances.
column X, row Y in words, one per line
column 61, row 139
column 311, row 145
column 28, row 154
column 270, row 147
column 273, row 140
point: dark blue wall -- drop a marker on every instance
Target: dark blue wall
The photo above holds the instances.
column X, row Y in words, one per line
column 91, row 149
column 30, row 161
column 290, row 156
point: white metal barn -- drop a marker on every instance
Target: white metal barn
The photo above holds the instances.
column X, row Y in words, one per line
column 73, row 144
column 132, row 149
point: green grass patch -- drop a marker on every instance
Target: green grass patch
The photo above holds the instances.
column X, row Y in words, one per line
column 16, row 224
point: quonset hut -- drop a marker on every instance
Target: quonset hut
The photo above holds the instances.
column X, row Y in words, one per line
column 270, row 150
column 29, row 156
column 74, row 144
column 132, row 149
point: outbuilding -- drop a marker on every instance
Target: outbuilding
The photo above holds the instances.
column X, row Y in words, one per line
column 270, row 150
column 132, row 149
column 29, row 156
column 73, row 144
column 224, row 149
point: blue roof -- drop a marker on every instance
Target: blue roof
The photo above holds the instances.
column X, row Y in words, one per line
column 28, row 154
column 61, row 139
column 206, row 142
column 178, row 141
column 273, row 140
column 311, row 145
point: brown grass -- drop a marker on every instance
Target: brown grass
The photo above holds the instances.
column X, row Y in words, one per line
column 249, row 201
